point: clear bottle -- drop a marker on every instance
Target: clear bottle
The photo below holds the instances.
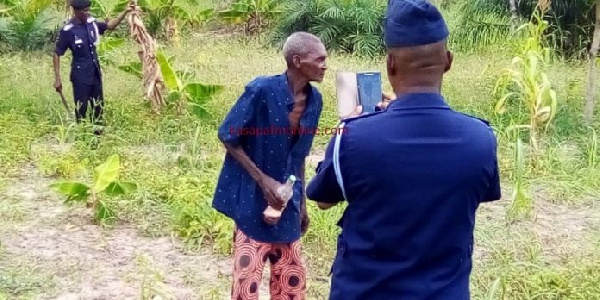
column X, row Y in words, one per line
column 286, row 191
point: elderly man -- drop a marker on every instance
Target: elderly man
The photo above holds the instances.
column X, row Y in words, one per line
column 413, row 175
column 257, row 164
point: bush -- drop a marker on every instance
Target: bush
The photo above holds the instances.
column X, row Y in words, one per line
column 484, row 22
column 352, row 26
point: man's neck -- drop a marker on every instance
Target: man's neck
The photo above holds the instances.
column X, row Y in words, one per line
column 296, row 82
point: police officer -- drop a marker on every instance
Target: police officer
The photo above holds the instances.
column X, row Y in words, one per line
column 413, row 175
column 81, row 34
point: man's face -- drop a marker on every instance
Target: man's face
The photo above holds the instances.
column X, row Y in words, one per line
column 82, row 13
column 313, row 64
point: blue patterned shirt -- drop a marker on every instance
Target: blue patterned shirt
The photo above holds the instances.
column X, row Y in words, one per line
column 258, row 122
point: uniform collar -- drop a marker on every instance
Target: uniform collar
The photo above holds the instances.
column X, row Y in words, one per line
column 78, row 22
column 418, row 101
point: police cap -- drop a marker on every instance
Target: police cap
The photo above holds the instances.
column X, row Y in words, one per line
column 413, row 23
column 80, row 4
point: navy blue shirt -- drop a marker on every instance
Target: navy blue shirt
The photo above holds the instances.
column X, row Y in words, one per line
column 82, row 39
column 413, row 176
column 258, row 122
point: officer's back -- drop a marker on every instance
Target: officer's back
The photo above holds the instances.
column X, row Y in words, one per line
column 414, row 177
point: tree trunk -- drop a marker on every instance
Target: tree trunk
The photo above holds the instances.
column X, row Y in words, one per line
column 590, row 96
column 514, row 14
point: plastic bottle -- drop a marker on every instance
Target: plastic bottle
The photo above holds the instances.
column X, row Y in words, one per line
column 286, row 191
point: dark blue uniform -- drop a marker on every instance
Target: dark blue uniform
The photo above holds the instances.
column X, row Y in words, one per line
column 413, row 176
column 86, row 76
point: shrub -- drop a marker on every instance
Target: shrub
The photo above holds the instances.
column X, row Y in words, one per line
column 352, row 26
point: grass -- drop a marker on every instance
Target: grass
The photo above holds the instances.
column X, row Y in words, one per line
column 515, row 261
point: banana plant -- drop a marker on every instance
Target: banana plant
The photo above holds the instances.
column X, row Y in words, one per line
column 200, row 18
column 181, row 91
column 105, row 181
column 253, row 15
column 106, row 46
column 26, row 24
column 161, row 17
column 102, row 11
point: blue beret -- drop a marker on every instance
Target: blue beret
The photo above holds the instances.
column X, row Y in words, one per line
column 413, row 23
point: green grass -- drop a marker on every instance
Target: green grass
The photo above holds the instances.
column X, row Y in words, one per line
column 177, row 199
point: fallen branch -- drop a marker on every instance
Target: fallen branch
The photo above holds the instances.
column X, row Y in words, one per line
column 153, row 82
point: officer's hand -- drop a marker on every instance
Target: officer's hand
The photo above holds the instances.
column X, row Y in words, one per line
column 386, row 98
column 130, row 7
column 58, row 86
column 269, row 188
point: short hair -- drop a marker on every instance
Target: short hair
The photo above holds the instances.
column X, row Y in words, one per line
column 299, row 43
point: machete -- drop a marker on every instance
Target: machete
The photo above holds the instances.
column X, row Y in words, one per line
column 64, row 102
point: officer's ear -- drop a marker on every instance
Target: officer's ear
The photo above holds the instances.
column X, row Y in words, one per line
column 391, row 69
column 449, row 60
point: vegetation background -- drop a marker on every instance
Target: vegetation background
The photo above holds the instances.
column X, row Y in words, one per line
column 148, row 228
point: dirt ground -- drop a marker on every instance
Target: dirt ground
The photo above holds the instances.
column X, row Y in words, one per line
column 51, row 251
column 74, row 259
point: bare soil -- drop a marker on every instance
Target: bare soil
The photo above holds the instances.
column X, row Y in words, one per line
column 87, row 261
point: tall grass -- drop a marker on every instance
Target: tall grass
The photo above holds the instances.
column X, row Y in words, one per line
column 176, row 198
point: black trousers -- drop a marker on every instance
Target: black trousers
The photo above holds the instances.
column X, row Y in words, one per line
column 88, row 95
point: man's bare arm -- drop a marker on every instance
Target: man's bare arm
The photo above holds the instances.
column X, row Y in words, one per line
column 266, row 183
column 241, row 157
column 113, row 23
column 57, row 79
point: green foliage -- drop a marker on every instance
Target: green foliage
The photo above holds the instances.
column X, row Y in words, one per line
column 161, row 17
column 521, row 202
column 532, row 88
column 105, row 180
column 27, row 24
column 253, row 15
column 100, row 10
column 352, row 26
column 481, row 23
column 194, row 94
column 484, row 22
column 107, row 46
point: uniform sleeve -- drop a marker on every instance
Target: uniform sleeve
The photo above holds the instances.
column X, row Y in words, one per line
column 102, row 26
column 62, row 43
column 494, row 192
column 240, row 115
column 324, row 186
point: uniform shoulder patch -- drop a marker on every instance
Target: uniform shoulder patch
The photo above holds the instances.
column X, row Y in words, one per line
column 67, row 27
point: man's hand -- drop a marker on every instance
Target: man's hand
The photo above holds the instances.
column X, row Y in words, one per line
column 269, row 188
column 58, row 85
column 386, row 98
column 130, row 7
column 305, row 222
